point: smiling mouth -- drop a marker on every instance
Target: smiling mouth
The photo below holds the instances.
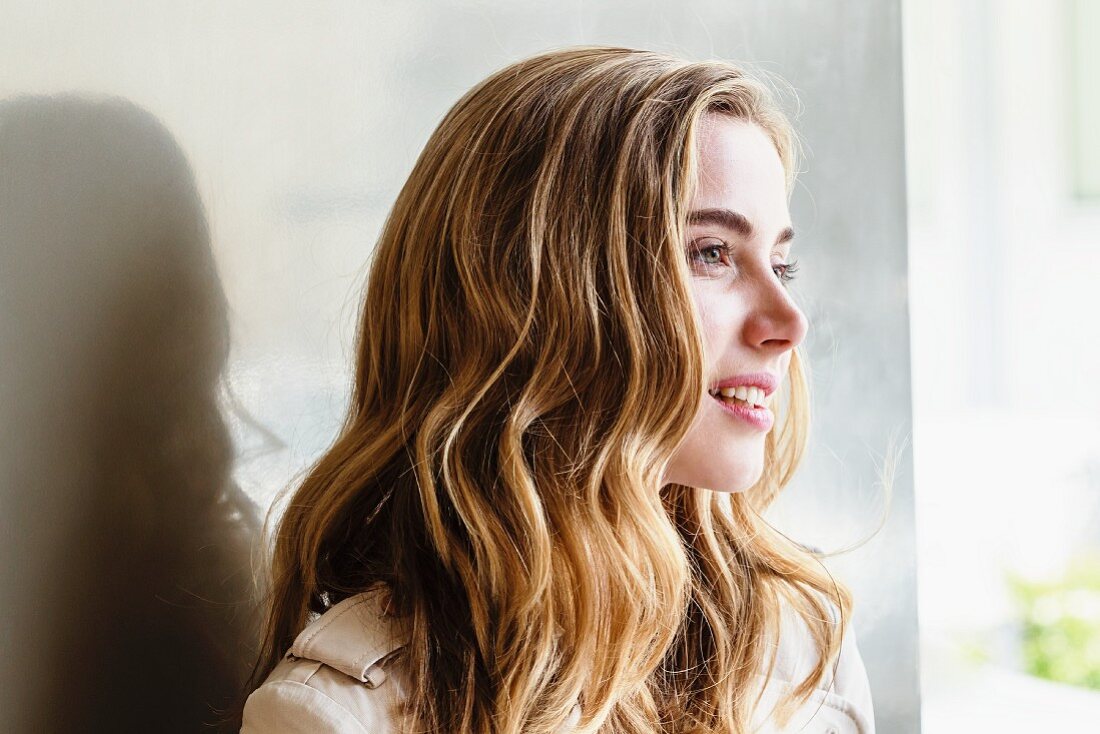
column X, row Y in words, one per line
column 757, row 416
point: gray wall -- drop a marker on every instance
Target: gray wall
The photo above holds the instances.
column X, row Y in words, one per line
column 301, row 120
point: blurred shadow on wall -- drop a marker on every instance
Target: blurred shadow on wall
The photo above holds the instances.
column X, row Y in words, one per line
column 126, row 583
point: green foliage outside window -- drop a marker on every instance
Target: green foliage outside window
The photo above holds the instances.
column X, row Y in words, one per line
column 1061, row 623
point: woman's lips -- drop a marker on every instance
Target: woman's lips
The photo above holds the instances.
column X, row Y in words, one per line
column 760, row 418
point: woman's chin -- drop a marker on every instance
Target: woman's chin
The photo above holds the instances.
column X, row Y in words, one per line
column 736, row 474
column 735, row 484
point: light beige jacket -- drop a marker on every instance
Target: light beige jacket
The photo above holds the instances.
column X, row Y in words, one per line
column 341, row 676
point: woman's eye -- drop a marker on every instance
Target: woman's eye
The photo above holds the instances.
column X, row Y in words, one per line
column 710, row 252
column 786, row 271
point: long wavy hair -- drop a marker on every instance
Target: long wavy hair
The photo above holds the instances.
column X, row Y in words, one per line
column 528, row 359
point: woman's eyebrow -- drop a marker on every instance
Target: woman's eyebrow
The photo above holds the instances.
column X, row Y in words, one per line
column 733, row 221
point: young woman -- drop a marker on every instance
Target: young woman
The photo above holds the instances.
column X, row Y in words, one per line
column 543, row 511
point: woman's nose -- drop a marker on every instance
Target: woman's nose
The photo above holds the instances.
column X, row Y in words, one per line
column 775, row 321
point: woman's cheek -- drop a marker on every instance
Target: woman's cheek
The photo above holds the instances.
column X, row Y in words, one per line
column 712, row 322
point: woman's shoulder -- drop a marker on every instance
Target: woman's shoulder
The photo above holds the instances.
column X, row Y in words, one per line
column 841, row 703
column 341, row 674
column 344, row 673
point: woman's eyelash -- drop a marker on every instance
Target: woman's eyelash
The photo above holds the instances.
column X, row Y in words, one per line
column 789, row 269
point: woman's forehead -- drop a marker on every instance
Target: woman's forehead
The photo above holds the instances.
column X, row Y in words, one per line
column 740, row 170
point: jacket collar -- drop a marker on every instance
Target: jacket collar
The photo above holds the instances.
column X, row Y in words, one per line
column 353, row 637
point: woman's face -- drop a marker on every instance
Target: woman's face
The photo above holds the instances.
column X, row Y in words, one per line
column 738, row 245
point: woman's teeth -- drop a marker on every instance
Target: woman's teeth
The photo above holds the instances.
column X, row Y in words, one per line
column 741, row 395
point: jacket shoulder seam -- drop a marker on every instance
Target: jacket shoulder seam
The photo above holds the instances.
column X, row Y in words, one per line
column 322, row 696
